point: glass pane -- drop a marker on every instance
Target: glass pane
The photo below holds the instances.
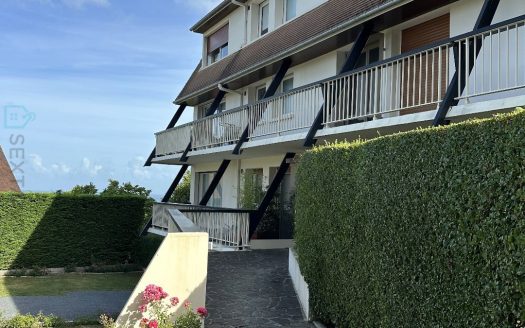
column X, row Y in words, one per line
column 224, row 51
column 288, row 100
column 373, row 55
column 260, row 93
column 265, row 12
column 291, row 9
column 287, row 85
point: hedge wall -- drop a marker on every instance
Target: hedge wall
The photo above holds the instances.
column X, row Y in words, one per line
column 418, row 229
column 51, row 230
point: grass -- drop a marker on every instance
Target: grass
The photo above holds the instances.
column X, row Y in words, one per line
column 61, row 284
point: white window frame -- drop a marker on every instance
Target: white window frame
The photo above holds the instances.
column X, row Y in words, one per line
column 285, row 11
column 261, row 6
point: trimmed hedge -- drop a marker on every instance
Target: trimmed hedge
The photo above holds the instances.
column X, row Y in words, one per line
column 50, row 230
column 419, row 229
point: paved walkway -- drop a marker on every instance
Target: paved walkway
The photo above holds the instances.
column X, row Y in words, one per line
column 251, row 289
column 70, row 306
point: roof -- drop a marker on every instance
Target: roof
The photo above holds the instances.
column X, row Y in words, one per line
column 222, row 10
column 308, row 27
column 7, row 178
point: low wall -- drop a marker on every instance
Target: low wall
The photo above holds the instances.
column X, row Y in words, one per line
column 180, row 267
column 300, row 286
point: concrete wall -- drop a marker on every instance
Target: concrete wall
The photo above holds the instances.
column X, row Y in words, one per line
column 299, row 284
column 180, row 267
column 463, row 14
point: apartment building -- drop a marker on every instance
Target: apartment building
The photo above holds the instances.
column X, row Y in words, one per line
column 280, row 76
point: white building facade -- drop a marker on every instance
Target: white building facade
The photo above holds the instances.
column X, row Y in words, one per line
column 279, row 76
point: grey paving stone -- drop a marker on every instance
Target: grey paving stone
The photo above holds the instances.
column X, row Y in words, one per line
column 251, row 289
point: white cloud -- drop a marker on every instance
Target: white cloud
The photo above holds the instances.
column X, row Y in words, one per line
column 201, row 5
column 92, row 169
column 57, row 168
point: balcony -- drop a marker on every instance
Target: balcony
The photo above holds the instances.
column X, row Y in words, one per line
column 406, row 88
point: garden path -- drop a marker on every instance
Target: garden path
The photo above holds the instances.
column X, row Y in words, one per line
column 251, row 289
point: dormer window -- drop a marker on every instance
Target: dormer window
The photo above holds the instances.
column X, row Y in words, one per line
column 264, row 18
column 218, row 45
column 290, row 9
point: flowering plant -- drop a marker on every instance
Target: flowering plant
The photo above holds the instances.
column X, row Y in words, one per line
column 156, row 311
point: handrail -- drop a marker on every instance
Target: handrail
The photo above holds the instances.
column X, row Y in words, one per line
column 211, row 140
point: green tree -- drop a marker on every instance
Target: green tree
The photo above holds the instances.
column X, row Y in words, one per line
column 114, row 188
column 182, row 192
column 89, row 189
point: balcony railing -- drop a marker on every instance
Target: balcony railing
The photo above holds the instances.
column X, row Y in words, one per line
column 225, row 227
column 404, row 84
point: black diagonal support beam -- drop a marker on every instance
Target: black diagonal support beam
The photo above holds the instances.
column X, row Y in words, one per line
column 172, row 123
column 270, row 193
column 272, row 89
column 184, row 158
column 350, row 63
column 175, row 183
column 458, row 81
column 216, row 103
column 270, row 92
column 214, row 182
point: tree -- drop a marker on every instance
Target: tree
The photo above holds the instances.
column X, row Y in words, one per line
column 181, row 195
column 114, row 188
column 89, row 189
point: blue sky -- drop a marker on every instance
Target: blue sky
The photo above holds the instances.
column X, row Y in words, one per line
column 100, row 77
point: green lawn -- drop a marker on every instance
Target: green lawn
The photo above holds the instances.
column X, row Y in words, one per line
column 61, row 284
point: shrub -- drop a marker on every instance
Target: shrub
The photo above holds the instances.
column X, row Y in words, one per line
column 418, row 229
column 31, row 321
column 181, row 195
column 49, row 230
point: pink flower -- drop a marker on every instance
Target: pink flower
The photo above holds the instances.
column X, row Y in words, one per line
column 153, row 324
column 174, row 301
column 187, row 304
column 202, row 312
column 153, row 293
column 143, row 308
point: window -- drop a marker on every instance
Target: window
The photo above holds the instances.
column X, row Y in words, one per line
column 261, row 92
column 218, row 45
column 203, row 109
column 204, row 181
column 288, row 100
column 264, row 18
column 368, row 56
column 290, row 9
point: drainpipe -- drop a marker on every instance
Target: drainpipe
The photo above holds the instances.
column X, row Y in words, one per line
column 246, row 7
column 223, row 88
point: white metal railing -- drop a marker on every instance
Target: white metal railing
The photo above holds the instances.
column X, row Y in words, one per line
column 411, row 82
column 497, row 61
column 229, row 228
column 287, row 112
column 220, row 129
column 174, row 140
column 407, row 83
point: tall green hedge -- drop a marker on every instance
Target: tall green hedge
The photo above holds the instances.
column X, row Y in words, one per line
column 418, row 229
column 51, row 230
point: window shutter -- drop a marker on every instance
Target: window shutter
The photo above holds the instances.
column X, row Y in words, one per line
column 218, row 39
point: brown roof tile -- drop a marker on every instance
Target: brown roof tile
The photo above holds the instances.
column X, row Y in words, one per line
column 305, row 27
column 7, row 179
